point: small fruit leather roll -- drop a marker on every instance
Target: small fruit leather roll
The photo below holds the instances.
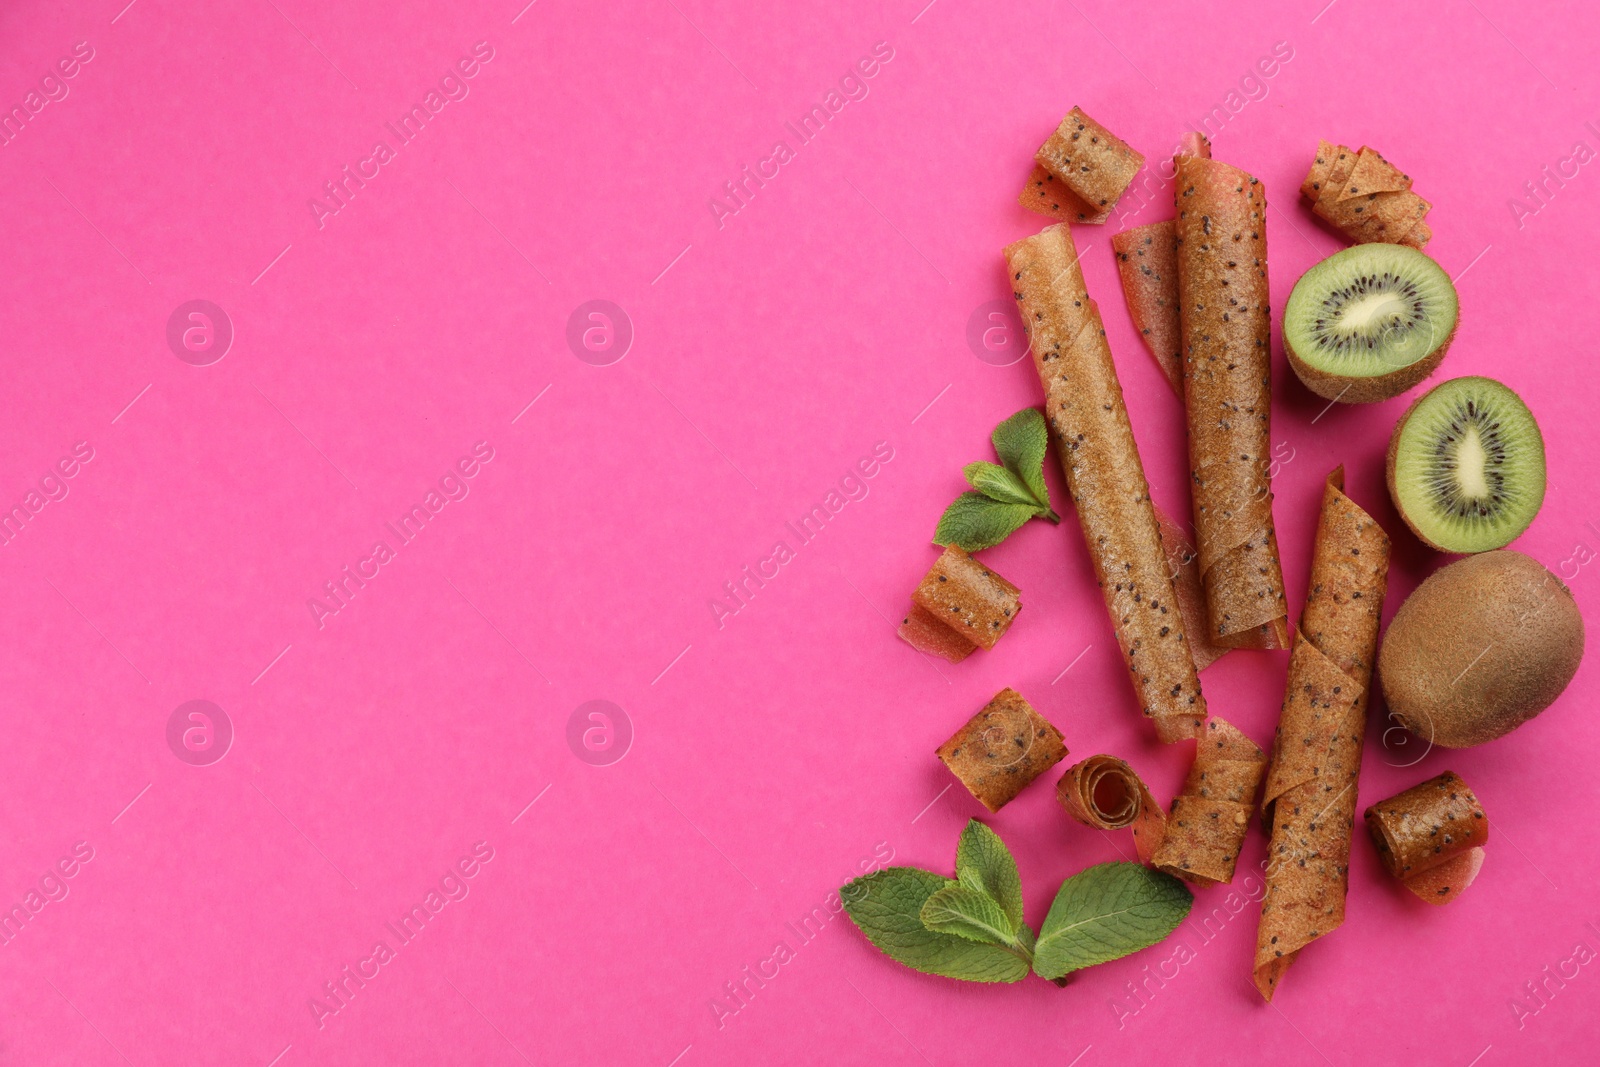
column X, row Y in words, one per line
column 1365, row 197
column 1310, row 797
column 1431, row 837
column 1001, row 749
column 1105, row 793
column 959, row 605
column 1100, row 461
column 1080, row 172
column 1225, row 327
column 1211, row 816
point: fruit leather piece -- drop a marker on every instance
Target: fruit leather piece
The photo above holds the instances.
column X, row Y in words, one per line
column 965, row 598
column 1103, row 792
column 1210, row 817
column 1194, row 143
column 1419, row 236
column 1147, row 262
column 1100, row 461
column 1308, row 869
column 1431, row 837
column 926, row 632
column 1148, row 266
column 1225, row 327
column 1372, row 174
column 1184, row 566
column 1002, row 748
column 1310, row 796
column 1365, row 197
column 1321, row 165
column 1048, row 195
column 1096, row 164
column 1349, row 578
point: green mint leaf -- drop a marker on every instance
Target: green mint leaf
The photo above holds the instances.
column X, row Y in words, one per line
column 973, row 522
column 984, row 863
column 887, row 907
column 1021, row 442
column 1107, row 912
column 969, row 913
column 998, row 484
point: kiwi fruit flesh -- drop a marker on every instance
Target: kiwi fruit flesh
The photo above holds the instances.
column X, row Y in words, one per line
column 1369, row 322
column 1479, row 648
column 1466, row 466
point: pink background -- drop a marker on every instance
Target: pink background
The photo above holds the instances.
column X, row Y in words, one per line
column 775, row 755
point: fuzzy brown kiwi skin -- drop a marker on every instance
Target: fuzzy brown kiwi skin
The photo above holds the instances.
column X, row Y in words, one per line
column 1439, row 680
column 1367, row 390
column 1394, row 488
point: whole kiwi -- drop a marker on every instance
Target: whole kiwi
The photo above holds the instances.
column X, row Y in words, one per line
column 1479, row 648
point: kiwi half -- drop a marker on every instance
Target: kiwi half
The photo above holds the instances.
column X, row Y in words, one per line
column 1369, row 322
column 1466, row 466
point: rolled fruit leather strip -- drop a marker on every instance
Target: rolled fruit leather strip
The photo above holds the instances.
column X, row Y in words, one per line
column 1092, row 163
column 959, row 605
column 1100, row 461
column 1431, row 837
column 1225, row 327
column 1210, row 818
column 1310, row 794
column 1365, row 197
column 1103, row 792
column 1001, row 749
column 1147, row 261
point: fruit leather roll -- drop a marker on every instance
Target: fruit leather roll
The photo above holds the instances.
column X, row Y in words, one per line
column 1310, row 796
column 1210, row 817
column 1225, row 327
column 1365, row 197
column 1080, row 172
column 1002, row 749
column 959, row 605
column 1100, row 460
column 1105, row 793
column 1431, row 837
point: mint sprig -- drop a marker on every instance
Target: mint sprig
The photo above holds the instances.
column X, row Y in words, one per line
column 971, row 927
column 1006, row 494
